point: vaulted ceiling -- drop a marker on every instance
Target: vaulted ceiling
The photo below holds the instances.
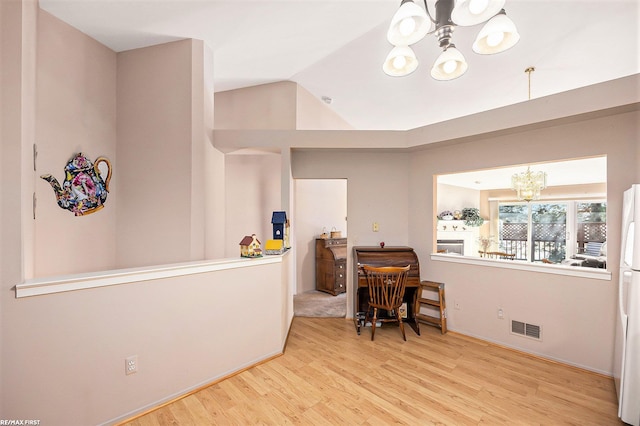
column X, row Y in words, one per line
column 336, row 49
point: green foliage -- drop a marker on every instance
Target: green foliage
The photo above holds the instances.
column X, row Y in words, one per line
column 471, row 216
column 592, row 212
column 557, row 254
column 549, row 213
column 514, row 213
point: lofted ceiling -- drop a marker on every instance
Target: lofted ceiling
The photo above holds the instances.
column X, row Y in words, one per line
column 581, row 171
column 335, row 49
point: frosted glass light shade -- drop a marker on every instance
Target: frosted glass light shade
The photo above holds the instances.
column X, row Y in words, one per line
column 498, row 35
column 409, row 24
column 449, row 65
column 400, row 61
column 529, row 184
column 472, row 12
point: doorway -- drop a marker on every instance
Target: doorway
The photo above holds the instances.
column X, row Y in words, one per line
column 320, row 206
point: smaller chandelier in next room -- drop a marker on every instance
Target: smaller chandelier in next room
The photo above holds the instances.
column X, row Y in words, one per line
column 529, row 184
column 411, row 23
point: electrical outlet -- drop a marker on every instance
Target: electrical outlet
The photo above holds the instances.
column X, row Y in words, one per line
column 376, row 227
column 131, row 365
column 456, row 305
column 500, row 313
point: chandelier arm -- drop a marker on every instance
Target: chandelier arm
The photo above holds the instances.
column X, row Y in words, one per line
column 426, row 7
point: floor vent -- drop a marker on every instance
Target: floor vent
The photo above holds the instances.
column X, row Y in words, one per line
column 527, row 330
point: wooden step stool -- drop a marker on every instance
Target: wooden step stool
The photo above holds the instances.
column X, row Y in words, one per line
column 439, row 304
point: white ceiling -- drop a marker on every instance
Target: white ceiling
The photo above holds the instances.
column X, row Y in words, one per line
column 559, row 173
column 336, row 49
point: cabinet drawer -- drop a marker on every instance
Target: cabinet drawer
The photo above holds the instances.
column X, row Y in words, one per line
column 335, row 242
column 340, row 277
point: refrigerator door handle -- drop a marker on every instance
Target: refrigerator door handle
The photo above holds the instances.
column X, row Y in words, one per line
column 626, row 276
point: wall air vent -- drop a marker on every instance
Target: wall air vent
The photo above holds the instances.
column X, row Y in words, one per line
column 527, row 330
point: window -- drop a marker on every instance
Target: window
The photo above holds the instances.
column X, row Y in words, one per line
column 569, row 219
column 538, row 232
column 592, row 224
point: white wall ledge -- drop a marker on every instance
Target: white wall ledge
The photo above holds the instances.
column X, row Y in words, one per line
column 64, row 283
column 574, row 271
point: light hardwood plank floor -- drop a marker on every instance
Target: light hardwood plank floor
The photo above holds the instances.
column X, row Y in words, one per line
column 329, row 375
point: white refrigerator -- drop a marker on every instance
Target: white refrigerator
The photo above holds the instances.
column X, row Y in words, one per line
column 626, row 367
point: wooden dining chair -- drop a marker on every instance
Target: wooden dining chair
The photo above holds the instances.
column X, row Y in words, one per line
column 503, row 255
column 386, row 287
column 499, row 255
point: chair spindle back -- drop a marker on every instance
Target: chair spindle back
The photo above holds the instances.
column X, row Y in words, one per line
column 386, row 285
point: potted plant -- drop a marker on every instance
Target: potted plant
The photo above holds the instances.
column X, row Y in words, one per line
column 485, row 242
column 471, row 216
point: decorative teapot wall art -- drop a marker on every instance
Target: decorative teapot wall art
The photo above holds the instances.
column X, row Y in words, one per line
column 83, row 190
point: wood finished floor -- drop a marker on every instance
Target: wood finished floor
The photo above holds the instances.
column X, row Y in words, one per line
column 329, row 375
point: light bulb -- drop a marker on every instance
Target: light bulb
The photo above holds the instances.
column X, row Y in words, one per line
column 495, row 39
column 478, row 6
column 498, row 35
column 407, row 26
column 399, row 62
column 450, row 66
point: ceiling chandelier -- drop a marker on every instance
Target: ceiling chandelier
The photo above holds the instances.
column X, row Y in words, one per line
column 529, row 184
column 411, row 23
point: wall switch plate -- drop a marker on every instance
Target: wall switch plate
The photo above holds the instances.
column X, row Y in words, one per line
column 500, row 313
column 131, row 365
column 456, row 305
column 376, row 227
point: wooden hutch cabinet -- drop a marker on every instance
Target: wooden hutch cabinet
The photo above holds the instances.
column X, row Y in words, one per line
column 331, row 265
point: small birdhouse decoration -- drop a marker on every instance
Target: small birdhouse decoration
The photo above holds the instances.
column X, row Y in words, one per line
column 278, row 219
column 250, row 246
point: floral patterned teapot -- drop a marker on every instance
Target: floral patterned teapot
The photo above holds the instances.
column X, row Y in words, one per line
column 83, row 190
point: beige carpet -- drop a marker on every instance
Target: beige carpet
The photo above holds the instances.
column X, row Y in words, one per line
column 320, row 304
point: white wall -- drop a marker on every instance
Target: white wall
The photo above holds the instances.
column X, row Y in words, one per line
column 454, row 198
column 381, row 182
column 577, row 314
column 377, row 188
column 17, row 115
column 67, row 355
column 312, row 114
column 62, row 355
column 92, row 100
column 377, row 191
column 214, row 170
column 252, row 195
column 75, row 342
column 280, row 105
column 319, row 204
column 76, row 112
column 266, row 106
column 155, row 162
